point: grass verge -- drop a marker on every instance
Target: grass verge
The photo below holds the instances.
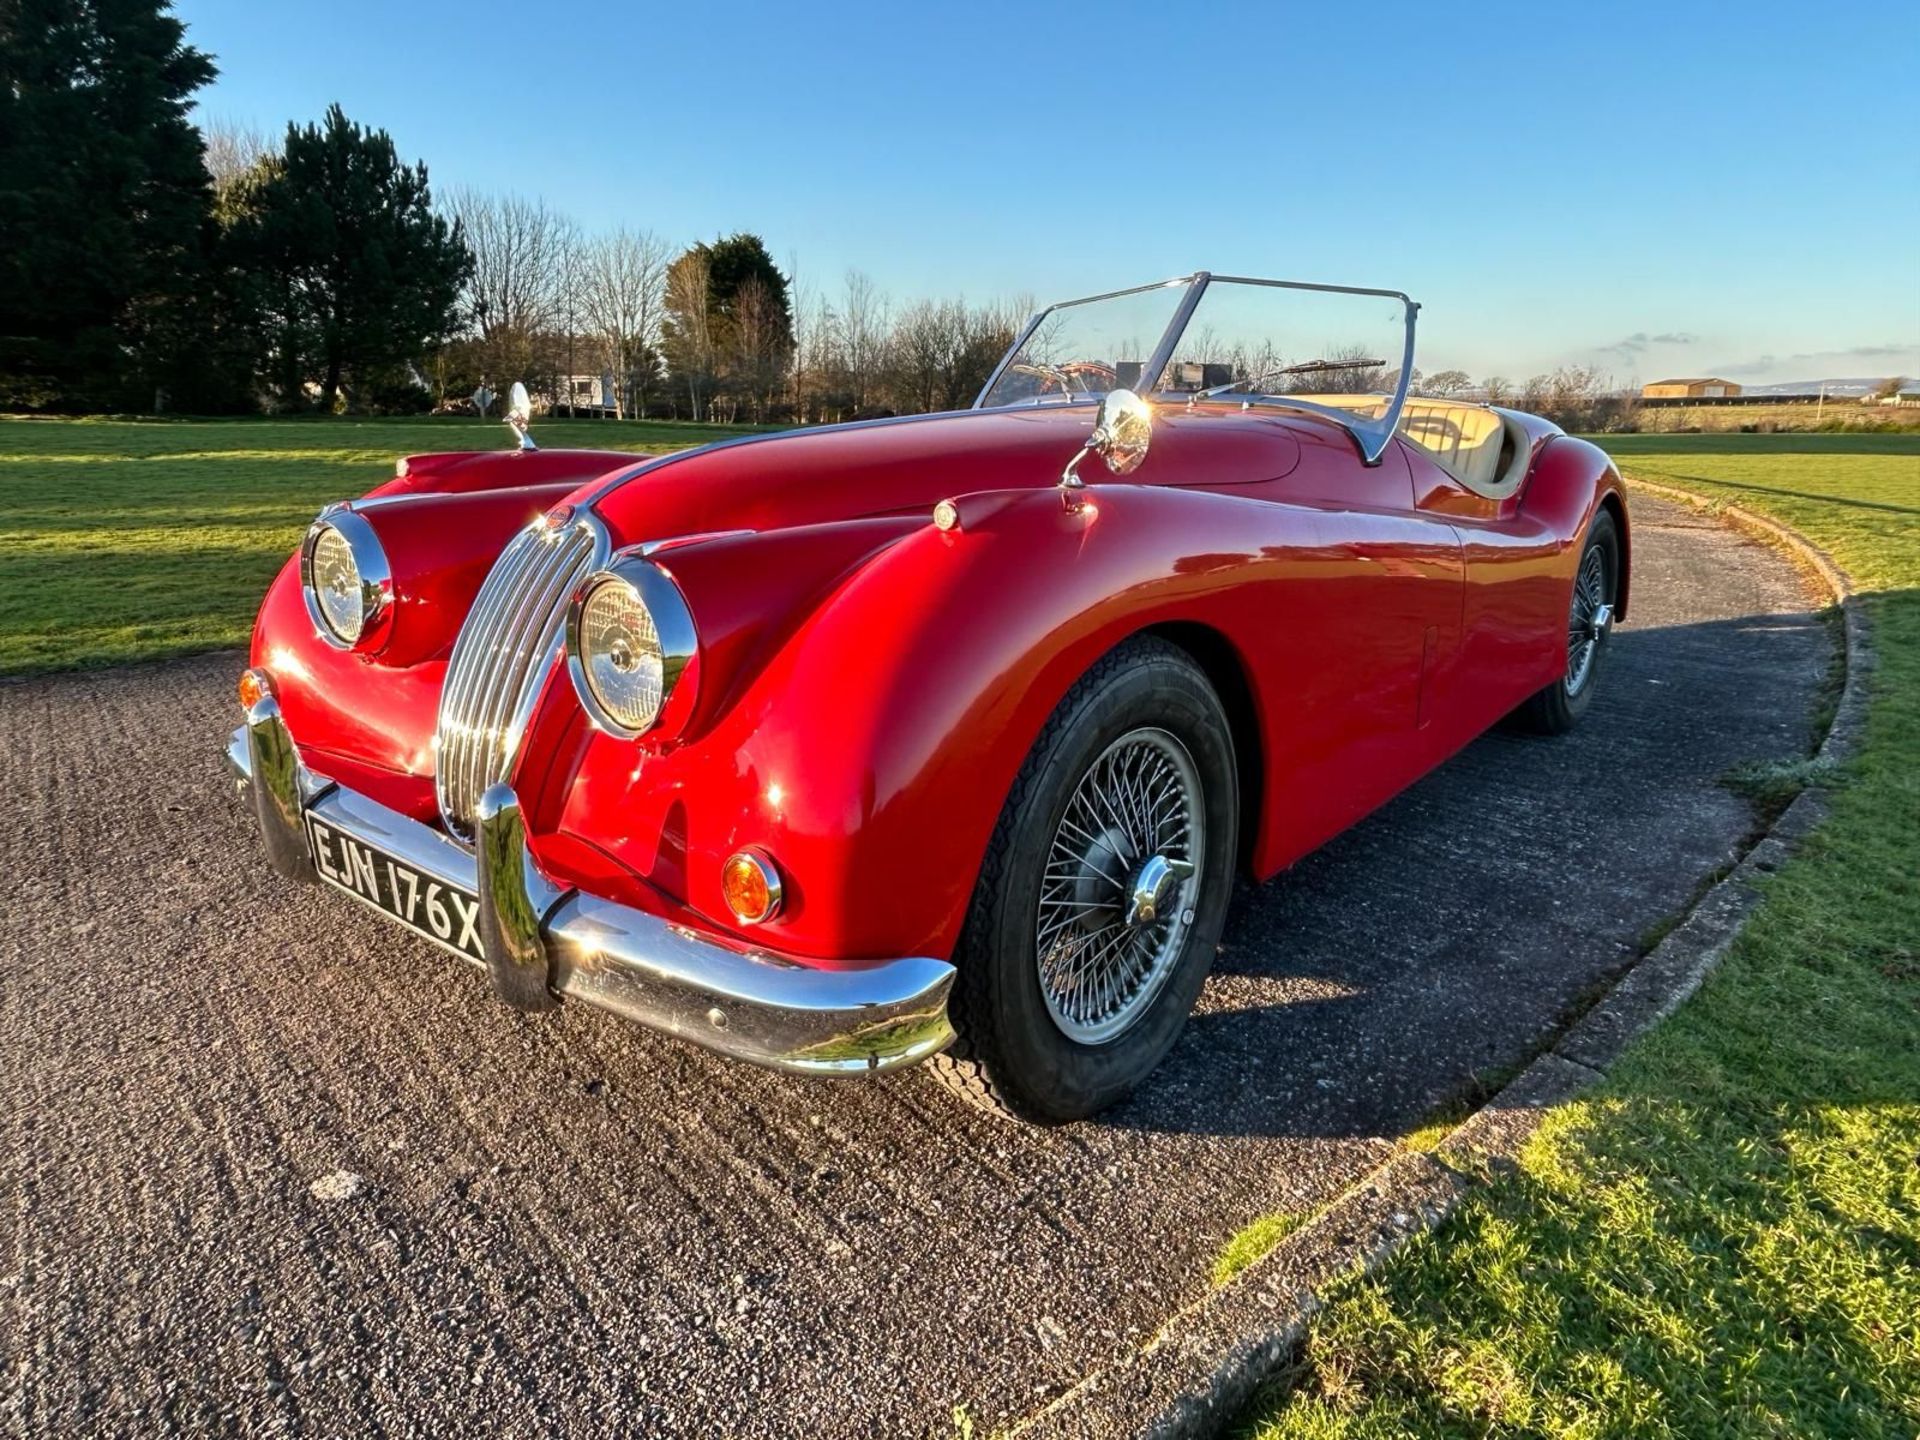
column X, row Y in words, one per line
column 139, row 539
column 1724, row 1238
column 1254, row 1241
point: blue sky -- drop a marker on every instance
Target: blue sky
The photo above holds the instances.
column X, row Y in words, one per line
column 1659, row 189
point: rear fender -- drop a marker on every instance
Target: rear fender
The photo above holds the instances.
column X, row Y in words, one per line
column 1571, row 481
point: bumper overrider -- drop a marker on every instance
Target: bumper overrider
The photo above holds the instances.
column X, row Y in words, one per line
column 542, row 942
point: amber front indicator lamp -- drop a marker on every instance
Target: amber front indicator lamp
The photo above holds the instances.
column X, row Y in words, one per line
column 255, row 686
column 752, row 887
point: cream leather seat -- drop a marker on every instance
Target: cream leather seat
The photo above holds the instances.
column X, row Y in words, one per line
column 1465, row 440
column 1469, row 442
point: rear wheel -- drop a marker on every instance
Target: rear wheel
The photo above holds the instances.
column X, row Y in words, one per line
column 1596, row 584
column 1103, row 893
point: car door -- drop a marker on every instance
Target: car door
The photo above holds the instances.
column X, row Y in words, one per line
column 1368, row 614
column 1513, row 612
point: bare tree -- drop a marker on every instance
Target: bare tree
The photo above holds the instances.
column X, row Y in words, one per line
column 233, row 150
column 521, row 261
column 941, row 352
column 1499, row 390
column 757, row 348
column 687, row 329
column 622, row 289
column 1446, row 382
column 863, row 338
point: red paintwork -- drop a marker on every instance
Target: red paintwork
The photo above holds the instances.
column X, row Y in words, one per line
column 868, row 685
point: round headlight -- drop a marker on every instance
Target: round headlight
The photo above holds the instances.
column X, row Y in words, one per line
column 336, row 584
column 629, row 638
column 620, row 651
column 343, row 572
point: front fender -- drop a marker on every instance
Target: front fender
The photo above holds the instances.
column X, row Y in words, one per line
column 871, row 754
column 368, row 715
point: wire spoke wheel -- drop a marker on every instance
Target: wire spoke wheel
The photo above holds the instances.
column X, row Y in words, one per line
column 1587, row 619
column 1118, row 891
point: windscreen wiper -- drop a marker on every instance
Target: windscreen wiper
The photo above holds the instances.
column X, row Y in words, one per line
column 1305, row 367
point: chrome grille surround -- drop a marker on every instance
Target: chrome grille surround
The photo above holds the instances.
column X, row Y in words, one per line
column 506, row 650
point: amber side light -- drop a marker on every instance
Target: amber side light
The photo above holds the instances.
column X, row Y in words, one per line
column 255, row 686
column 751, row 885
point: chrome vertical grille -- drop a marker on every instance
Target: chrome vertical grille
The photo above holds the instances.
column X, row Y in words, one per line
column 502, row 658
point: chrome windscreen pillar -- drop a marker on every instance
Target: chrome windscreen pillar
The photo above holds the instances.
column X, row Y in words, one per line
column 515, row 898
column 276, row 782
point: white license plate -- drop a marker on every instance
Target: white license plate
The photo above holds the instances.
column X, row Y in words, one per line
column 443, row 913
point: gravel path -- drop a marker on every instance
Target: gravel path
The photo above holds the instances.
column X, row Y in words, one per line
column 269, row 1165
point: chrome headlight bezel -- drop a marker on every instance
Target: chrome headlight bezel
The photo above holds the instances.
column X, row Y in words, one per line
column 673, row 628
column 371, row 569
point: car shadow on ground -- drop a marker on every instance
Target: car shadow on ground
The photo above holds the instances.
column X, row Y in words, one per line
column 1433, row 948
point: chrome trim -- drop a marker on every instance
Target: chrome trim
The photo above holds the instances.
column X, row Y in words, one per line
column 518, row 415
column 1155, row 365
column 672, row 623
column 508, row 648
column 369, row 560
column 1157, row 881
column 678, row 542
column 516, row 897
column 1026, row 334
column 742, row 1001
column 279, row 786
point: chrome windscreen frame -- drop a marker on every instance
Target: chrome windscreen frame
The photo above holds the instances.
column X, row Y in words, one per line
column 1370, row 434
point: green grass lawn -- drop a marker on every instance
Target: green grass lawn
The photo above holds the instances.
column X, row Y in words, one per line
column 136, row 539
column 1724, row 1238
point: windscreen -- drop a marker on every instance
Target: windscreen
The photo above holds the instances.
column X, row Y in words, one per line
column 1286, row 340
column 1087, row 347
column 1342, row 351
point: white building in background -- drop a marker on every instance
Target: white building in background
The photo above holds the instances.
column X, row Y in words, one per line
column 585, row 394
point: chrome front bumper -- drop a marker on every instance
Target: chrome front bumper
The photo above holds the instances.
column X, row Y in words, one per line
column 543, row 942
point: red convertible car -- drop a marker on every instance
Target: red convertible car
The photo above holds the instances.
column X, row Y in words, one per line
column 939, row 737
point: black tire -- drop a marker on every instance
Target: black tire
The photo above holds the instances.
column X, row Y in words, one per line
column 1558, row 708
column 1012, row 1055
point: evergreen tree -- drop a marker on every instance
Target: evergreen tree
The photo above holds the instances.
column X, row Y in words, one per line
column 729, row 320
column 103, row 200
column 350, row 272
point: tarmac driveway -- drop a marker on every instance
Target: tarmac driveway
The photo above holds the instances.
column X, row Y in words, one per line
column 268, row 1164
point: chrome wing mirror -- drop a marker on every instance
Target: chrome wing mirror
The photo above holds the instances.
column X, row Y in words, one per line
column 1121, row 433
column 519, row 413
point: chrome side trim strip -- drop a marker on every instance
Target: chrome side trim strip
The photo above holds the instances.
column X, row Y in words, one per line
column 742, row 1001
